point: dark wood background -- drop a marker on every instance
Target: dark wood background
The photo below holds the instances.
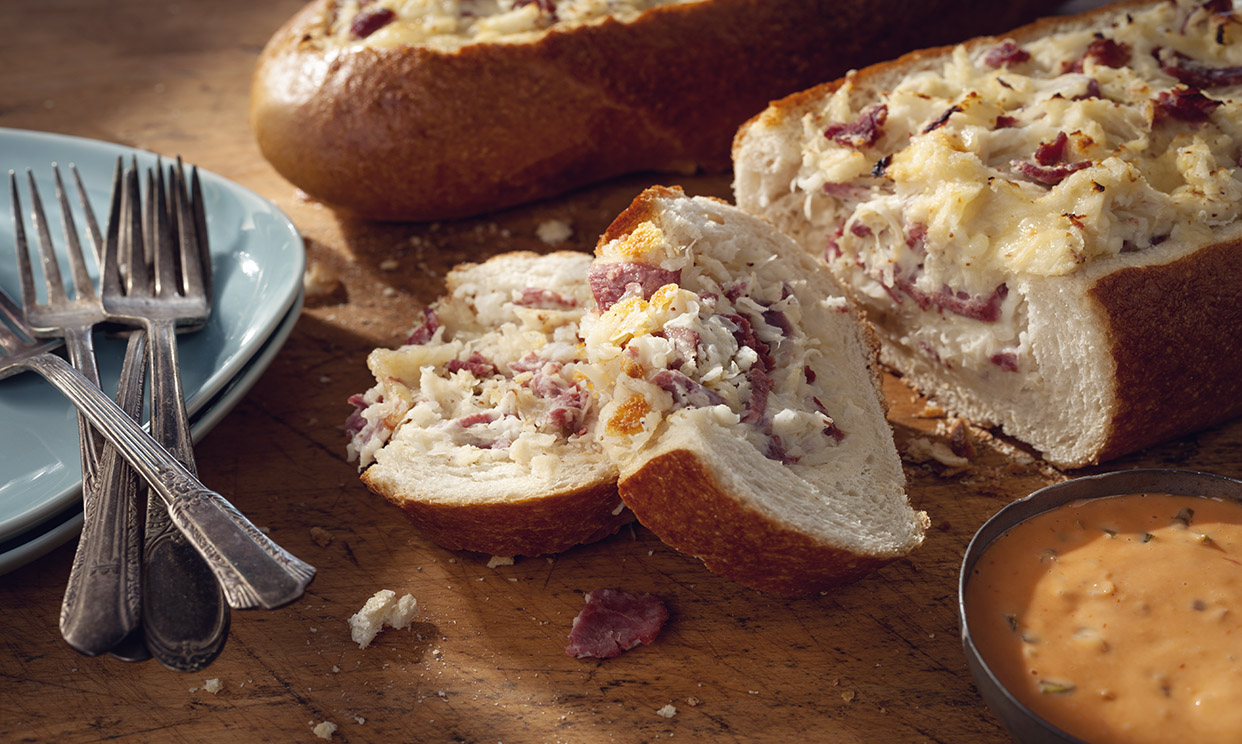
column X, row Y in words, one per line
column 879, row 661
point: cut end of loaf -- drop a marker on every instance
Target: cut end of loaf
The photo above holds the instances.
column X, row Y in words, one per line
column 977, row 203
column 479, row 426
column 724, row 355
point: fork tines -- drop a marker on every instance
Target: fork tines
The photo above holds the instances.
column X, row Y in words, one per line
column 168, row 227
column 84, row 289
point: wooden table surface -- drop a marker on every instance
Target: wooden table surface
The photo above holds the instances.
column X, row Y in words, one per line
column 879, row 661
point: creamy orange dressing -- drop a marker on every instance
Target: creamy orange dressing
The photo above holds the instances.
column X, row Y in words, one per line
column 1119, row 619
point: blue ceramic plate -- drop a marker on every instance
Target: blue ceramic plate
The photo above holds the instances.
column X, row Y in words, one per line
column 257, row 264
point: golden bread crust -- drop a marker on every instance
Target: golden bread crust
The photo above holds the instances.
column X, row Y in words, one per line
column 1176, row 342
column 406, row 133
column 676, row 496
column 536, row 526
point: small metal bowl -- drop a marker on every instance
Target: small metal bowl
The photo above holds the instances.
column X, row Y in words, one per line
column 1024, row 725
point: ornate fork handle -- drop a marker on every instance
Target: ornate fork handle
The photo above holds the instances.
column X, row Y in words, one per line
column 102, row 602
column 253, row 570
column 184, row 614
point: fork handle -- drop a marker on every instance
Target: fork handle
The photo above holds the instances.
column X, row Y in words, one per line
column 170, row 422
column 253, row 570
column 184, row 612
column 80, row 348
column 102, row 596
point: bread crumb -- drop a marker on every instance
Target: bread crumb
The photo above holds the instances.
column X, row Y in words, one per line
column 213, row 685
column 321, row 537
column 360, row 720
column 922, row 449
column 667, row 711
column 498, row 560
column 553, row 232
column 325, row 730
column 320, row 282
column 389, row 264
column 847, row 696
column 692, row 701
column 381, row 609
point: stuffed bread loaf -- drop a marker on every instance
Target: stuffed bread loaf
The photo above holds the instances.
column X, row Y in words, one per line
column 702, row 355
column 481, row 426
column 741, row 399
column 1043, row 226
column 434, row 109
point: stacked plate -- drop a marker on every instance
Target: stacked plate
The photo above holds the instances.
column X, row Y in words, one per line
column 257, row 264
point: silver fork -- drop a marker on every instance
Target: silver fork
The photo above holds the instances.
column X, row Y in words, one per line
column 254, row 571
column 185, row 618
column 185, row 625
column 101, row 601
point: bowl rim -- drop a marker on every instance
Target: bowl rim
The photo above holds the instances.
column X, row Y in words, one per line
column 1194, row 483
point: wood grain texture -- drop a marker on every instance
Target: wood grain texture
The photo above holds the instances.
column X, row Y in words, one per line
column 879, row 660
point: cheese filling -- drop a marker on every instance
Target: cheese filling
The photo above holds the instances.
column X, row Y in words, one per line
column 709, row 345
column 447, row 25
column 500, row 385
column 1027, row 160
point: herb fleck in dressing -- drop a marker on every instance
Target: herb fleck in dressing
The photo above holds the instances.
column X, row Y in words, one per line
column 1118, row 619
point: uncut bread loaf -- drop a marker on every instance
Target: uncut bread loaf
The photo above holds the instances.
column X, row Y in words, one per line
column 740, row 399
column 434, row 109
column 481, row 426
column 1043, row 226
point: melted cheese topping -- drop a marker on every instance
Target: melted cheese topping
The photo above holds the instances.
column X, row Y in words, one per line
column 1119, row 619
column 448, row 25
column 964, row 190
column 953, row 135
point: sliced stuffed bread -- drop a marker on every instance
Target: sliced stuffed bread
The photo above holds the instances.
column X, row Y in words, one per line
column 422, row 110
column 1042, row 226
column 740, row 399
column 481, row 426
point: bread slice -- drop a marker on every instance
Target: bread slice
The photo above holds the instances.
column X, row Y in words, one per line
column 741, row 399
column 1043, row 227
column 480, row 427
column 419, row 110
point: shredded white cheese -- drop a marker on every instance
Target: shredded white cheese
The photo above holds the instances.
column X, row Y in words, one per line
column 697, row 332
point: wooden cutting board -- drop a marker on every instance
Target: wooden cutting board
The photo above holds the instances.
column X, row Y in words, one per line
column 878, row 661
